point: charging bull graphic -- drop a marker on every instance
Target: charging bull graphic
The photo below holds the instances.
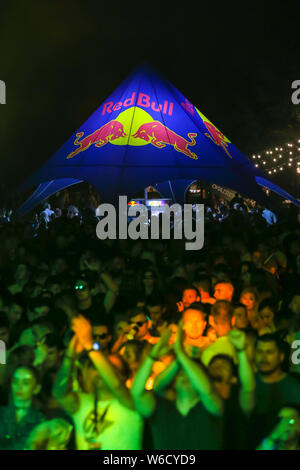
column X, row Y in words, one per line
column 216, row 136
column 110, row 131
column 159, row 135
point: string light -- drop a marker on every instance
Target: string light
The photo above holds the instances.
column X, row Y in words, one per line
column 281, row 161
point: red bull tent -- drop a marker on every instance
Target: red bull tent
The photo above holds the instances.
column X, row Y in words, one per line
column 148, row 133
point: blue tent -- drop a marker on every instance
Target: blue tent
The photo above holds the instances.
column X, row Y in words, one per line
column 148, row 133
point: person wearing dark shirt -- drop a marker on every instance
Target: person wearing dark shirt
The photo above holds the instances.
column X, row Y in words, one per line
column 20, row 417
column 274, row 387
column 99, row 304
column 192, row 419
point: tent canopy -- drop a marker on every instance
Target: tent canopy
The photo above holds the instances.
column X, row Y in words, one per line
column 147, row 133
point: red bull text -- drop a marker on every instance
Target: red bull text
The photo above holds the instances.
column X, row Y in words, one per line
column 143, row 100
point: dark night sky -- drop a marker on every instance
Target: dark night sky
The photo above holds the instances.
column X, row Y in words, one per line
column 61, row 60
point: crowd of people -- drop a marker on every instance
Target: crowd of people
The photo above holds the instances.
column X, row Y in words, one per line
column 122, row 344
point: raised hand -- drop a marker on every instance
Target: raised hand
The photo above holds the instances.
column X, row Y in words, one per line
column 238, row 339
column 162, row 347
column 40, row 354
column 83, row 330
column 178, row 345
column 74, row 347
column 93, row 264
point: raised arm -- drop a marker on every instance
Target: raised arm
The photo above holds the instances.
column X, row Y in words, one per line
column 62, row 389
column 111, row 285
column 246, row 375
column 112, row 291
column 63, row 382
column 166, row 376
column 145, row 400
column 82, row 328
column 198, row 378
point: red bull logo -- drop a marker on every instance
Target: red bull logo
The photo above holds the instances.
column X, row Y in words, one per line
column 110, row 131
column 159, row 135
column 135, row 127
column 216, row 136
